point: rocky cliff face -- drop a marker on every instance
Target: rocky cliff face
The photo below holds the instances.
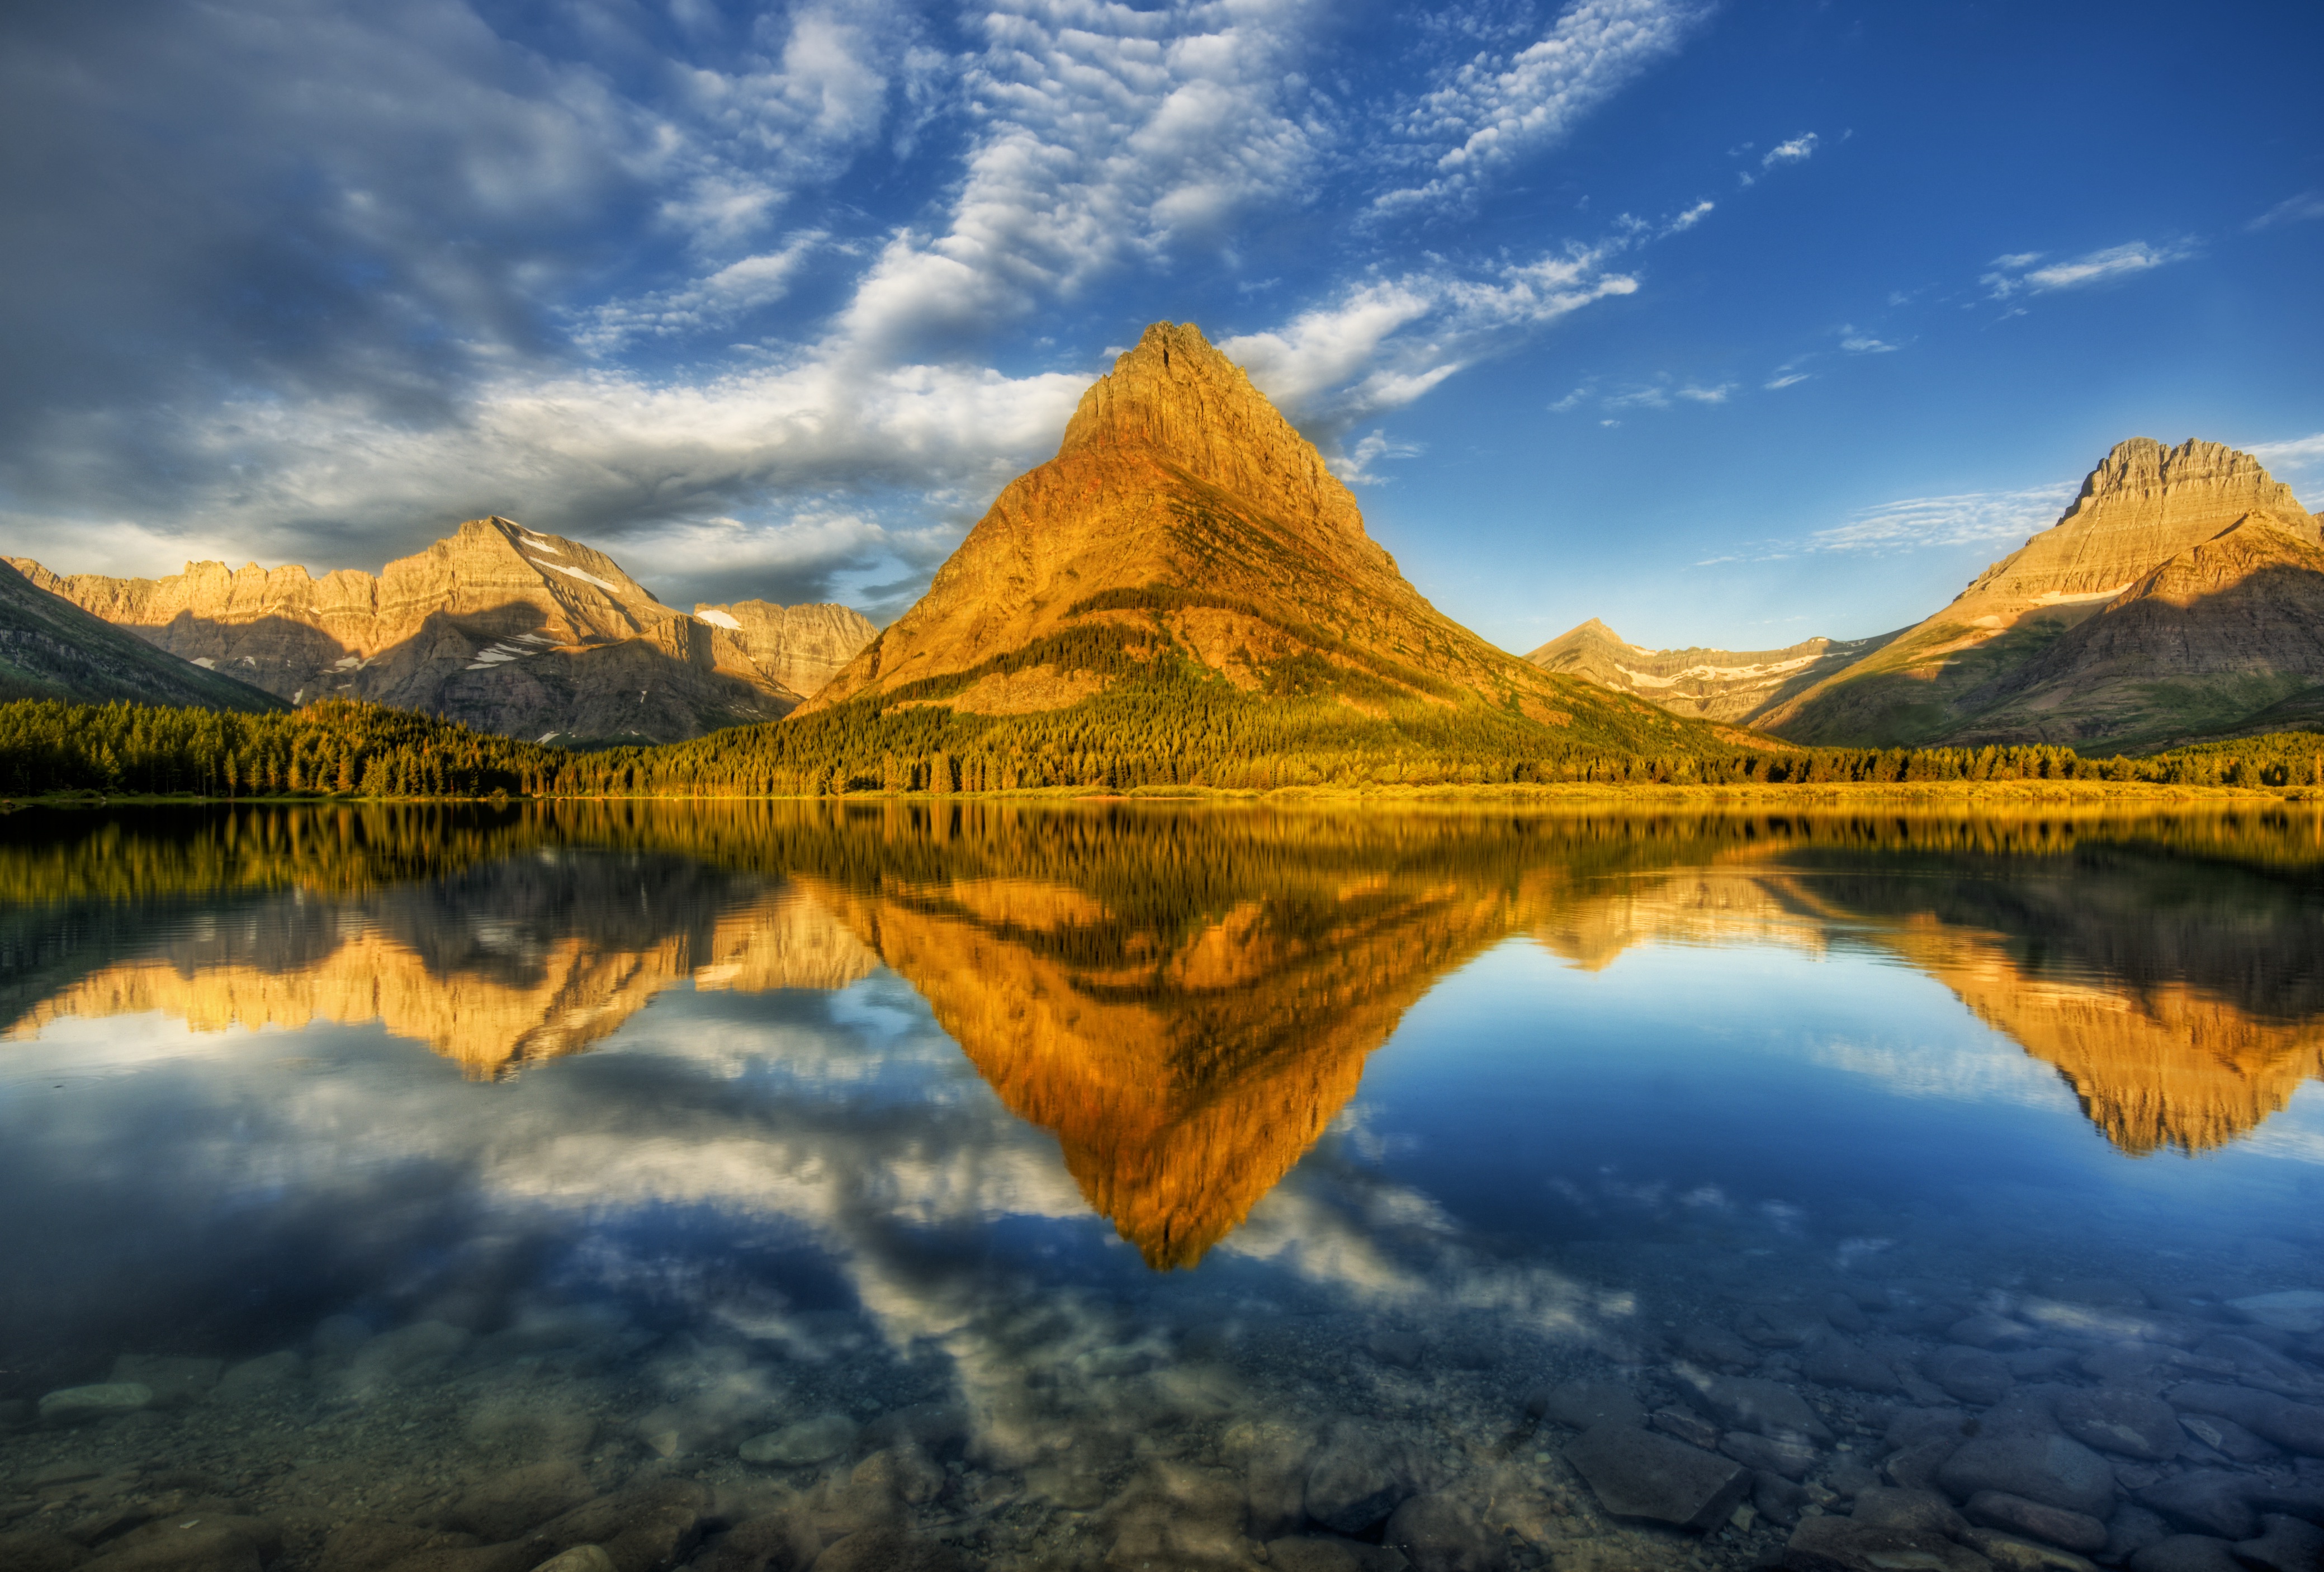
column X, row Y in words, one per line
column 802, row 647
column 1723, row 685
column 497, row 625
column 2074, row 638
column 1182, row 513
column 52, row 649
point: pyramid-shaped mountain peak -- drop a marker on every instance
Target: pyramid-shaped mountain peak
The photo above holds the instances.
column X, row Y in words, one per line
column 1177, row 397
column 1186, row 531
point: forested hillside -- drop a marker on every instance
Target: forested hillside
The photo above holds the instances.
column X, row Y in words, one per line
column 1123, row 740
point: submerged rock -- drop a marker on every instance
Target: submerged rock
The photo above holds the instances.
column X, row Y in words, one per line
column 2015, row 1514
column 74, row 1404
column 2053, row 1470
column 2187, row 1553
column 1767, row 1407
column 1638, row 1474
column 2115, row 1420
column 810, row 1441
column 1832, row 1544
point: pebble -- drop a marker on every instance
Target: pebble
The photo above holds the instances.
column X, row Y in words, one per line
column 2054, row 1470
column 2289, row 1310
column 1439, row 1533
column 2119, row 1419
column 2186, row 1553
column 889, row 1550
column 1687, row 1425
column 2295, row 1427
column 580, row 1558
column 1579, row 1404
column 1717, row 1346
column 1790, row 1458
column 2015, row 1514
column 1920, row 1512
column 73, row 1404
column 1639, row 1474
column 1987, row 1330
column 1968, row 1374
column 173, row 1382
column 808, row 1442
column 2008, row 1553
column 1839, row 1544
column 1357, row 1477
column 2209, row 1501
column 505, row 1505
column 2284, row 1544
column 1769, row 1407
column 2228, row 1439
column 1395, row 1346
column 1840, row 1361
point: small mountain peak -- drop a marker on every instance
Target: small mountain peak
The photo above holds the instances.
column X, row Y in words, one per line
column 2144, row 468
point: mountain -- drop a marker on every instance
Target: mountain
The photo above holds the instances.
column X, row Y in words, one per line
column 52, row 649
column 1186, row 530
column 798, row 646
column 1721, row 685
column 2177, row 598
column 497, row 625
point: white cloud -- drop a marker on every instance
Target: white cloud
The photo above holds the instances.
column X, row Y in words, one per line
column 2298, row 453
column 2015, row 273
column 1786, row 379
column 1865, row 344
column 1690, row 218
column 1967, row 519
column 1798, row 149
column 1707, row 395
column 1385, row 343
column 2296, row 209
column 1493, row 110
column 1355, row 466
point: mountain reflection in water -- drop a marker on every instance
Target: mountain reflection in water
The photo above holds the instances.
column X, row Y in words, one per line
column 1185, row 998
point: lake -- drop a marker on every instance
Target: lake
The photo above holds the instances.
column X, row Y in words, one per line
column 877, row 1184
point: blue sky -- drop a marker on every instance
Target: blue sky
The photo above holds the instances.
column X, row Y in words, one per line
column 1728, row 323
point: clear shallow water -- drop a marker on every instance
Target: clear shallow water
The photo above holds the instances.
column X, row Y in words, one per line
column 1124, row 1188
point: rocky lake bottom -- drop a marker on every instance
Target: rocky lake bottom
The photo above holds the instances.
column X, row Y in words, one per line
column 1755, row 1200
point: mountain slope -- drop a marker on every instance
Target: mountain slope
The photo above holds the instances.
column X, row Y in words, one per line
column 2000, row 663
column 498, row 626
column 1720, row 685
column 1185, row 534
column 52, row 649
column 802, row 647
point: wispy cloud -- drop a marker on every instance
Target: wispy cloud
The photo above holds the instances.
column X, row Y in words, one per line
column 1786, row 379
column 2296, row 209
column 1969, row 518
column 2298, row 453
column 1857, row 343
column 1495, row 108
column 1355, row 465
column 1798, row 149
column 1659, row 394
column 2016, row 274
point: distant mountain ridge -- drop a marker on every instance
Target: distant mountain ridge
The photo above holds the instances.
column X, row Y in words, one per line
column 1719, row 685
column 2177, row 598
column 52, row 649
column 502, row 627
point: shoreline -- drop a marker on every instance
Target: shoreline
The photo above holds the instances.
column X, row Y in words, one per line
column 1942, row 792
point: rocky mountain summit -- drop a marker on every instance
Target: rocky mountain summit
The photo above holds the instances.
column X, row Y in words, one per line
column 1184, row 519
column 1723, row 685
column 502, row 627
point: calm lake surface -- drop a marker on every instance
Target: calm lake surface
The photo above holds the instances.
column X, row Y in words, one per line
column 1117, row 1187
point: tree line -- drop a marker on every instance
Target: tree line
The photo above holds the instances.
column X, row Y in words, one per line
column 1200, row 735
